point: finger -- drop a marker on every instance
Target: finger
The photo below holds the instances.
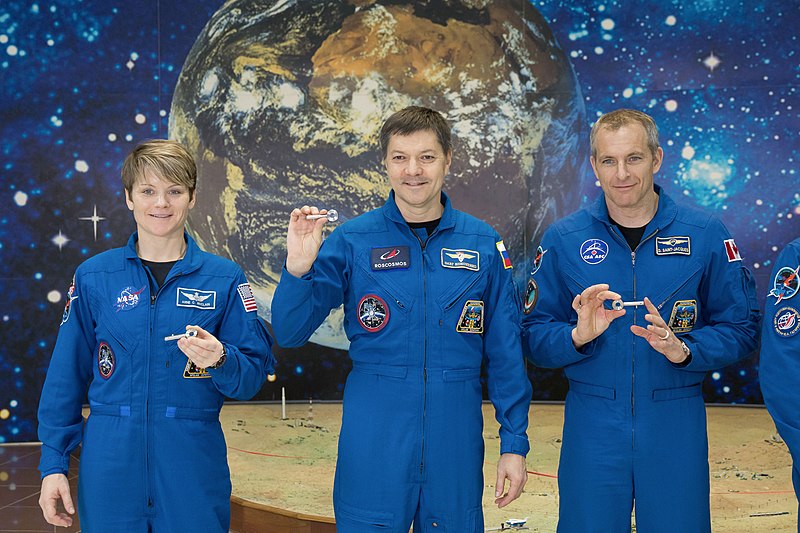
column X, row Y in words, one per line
column 652, row 309
column 576, row 303
column 500, row 482
column 593, row 290
column 295, row 214
column 66, row 497
column 608, row 295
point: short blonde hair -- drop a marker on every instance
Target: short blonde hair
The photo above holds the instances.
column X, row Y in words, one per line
column 169, row 160
column 614, row 120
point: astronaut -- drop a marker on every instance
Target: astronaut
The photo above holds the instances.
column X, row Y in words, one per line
column 779, row 369
column 428, row 295
column 153, row 456
column 634, row 422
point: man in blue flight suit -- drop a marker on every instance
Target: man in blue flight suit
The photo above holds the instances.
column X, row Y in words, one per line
column 779, row 369
column 634, row 422
column 153, row 456
column 428, row 295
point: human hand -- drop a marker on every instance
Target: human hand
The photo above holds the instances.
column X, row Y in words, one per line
column 659, row 335
column 56, row 487
column 593, row 317
column 512, row 467
column 303, row 239
column 204, row 350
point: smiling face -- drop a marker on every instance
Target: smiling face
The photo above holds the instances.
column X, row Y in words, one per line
column 625, row 167
column 417, row 165
column 160, row 207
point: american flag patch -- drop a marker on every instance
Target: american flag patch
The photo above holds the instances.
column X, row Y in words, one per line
column 732, row 251
column 504, row 254
column 248, row 300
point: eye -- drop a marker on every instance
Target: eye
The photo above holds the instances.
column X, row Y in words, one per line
column 635, row 158
column 398, row 158
column 176, row 192
column 428, row 158
column 607, row 162
column 146, row 192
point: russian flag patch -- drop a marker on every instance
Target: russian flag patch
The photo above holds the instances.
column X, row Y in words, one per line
column 504, row 254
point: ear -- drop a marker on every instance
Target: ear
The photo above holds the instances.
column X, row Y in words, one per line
column 128, row 199
column 593, row 162
column 194, row 199
column 447, row 163
column 658, row 159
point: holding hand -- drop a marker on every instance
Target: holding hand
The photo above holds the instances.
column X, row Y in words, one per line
column 593, row 317
column 56, row 487
column 203, row 349
column 659, row 336
column 303, row 240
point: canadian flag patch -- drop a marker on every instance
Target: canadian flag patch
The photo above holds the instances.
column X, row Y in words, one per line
column 732, row 250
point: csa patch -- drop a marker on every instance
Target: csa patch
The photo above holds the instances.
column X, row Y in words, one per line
column 68, row 305
column 531, row 296
column 673, row 246
column 504, row 254
column 537, row 261
column 106, row 362
column 389, row 258
column 469, row 259
column 192, row 371
column 471, row 320
column 786, row 284
column 196, row 298
column 732, row 251
column 128, row 298
column 684, row 316
column 248, row 300
column 593, row 251
column 786, row 321
column 373, row 313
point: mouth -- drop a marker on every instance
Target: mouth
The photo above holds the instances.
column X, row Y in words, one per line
column 415, row 183
column 160, row 216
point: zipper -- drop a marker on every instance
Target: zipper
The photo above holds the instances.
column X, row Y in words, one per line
column 463, row 292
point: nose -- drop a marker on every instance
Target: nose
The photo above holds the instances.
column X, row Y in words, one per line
column 413, row 168
column 622, row 170
column 161, row 199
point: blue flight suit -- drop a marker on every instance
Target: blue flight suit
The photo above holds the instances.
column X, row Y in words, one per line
column 153, row 455
column 421, row 314
column 634, row 423
column 779, row 369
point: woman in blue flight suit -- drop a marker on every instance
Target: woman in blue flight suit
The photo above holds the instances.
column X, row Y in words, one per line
column 153, row 456
column 427, row 294
column 779, row 369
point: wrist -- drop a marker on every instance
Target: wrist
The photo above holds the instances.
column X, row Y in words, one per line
column 221, row 361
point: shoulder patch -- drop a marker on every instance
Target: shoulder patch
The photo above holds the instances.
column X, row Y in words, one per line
column 503, row 254
column 785, row 284
column 68, row 304
column 248, row 300
column 786, row 321
column 731, row 250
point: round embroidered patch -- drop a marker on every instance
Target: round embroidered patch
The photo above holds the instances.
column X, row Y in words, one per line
column 593, row 251
column 537, row 261
column 531, row 296
column 786, row 284
column 786, row 321
column 105, row 360
column 373, row 313
column 68, row 304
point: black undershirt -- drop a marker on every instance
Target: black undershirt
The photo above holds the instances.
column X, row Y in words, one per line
column 160, row 271
column 429, row 226
column 632, row 235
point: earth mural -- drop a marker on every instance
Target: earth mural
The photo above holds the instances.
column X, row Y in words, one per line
column 282, row 103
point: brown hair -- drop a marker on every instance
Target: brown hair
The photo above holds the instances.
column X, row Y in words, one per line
column 169, row 160
column 413, row 119
column 614, row 120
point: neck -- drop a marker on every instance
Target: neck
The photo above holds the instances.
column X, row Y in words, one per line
column 160, row 249
column 426, row 214
column 635, row 217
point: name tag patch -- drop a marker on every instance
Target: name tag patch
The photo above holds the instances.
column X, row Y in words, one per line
column 684, row 316
column 673, row 246
column 390, row 257
column 196, row 298
column 460, row 258
column 471, row 320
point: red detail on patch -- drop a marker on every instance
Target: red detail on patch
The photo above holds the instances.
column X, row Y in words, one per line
column 732, row 250
column 106, row 362
column 389, row 255
column 372, row 313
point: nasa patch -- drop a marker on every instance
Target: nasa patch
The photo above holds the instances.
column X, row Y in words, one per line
column 593, row 251
column 192, row 371
column 373, row 313
column 673, row 246
column 531, row 296
column 537, row 261
column 196, row 298
column 68, row 304
column 390, row 258
column 106, row 362
column 460, row 258
column 684, row 316
column 471, row 320
column 128, row 298
column 785, row 284
column 786, row 321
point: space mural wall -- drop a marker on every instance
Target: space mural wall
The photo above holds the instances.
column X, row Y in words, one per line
column 281, row 101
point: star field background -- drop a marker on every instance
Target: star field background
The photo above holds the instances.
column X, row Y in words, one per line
column 83, row 82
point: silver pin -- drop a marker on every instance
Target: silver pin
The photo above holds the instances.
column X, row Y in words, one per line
column 189, row 333
column 332, row 216
column 617, row 305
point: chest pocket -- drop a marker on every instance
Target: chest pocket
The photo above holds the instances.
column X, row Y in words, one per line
column 463, row 313
column 115, row 365
column 679, row 302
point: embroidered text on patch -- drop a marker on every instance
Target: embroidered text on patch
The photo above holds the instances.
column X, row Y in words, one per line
column 196, row 298
column 673, row 246
column 461, row 258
